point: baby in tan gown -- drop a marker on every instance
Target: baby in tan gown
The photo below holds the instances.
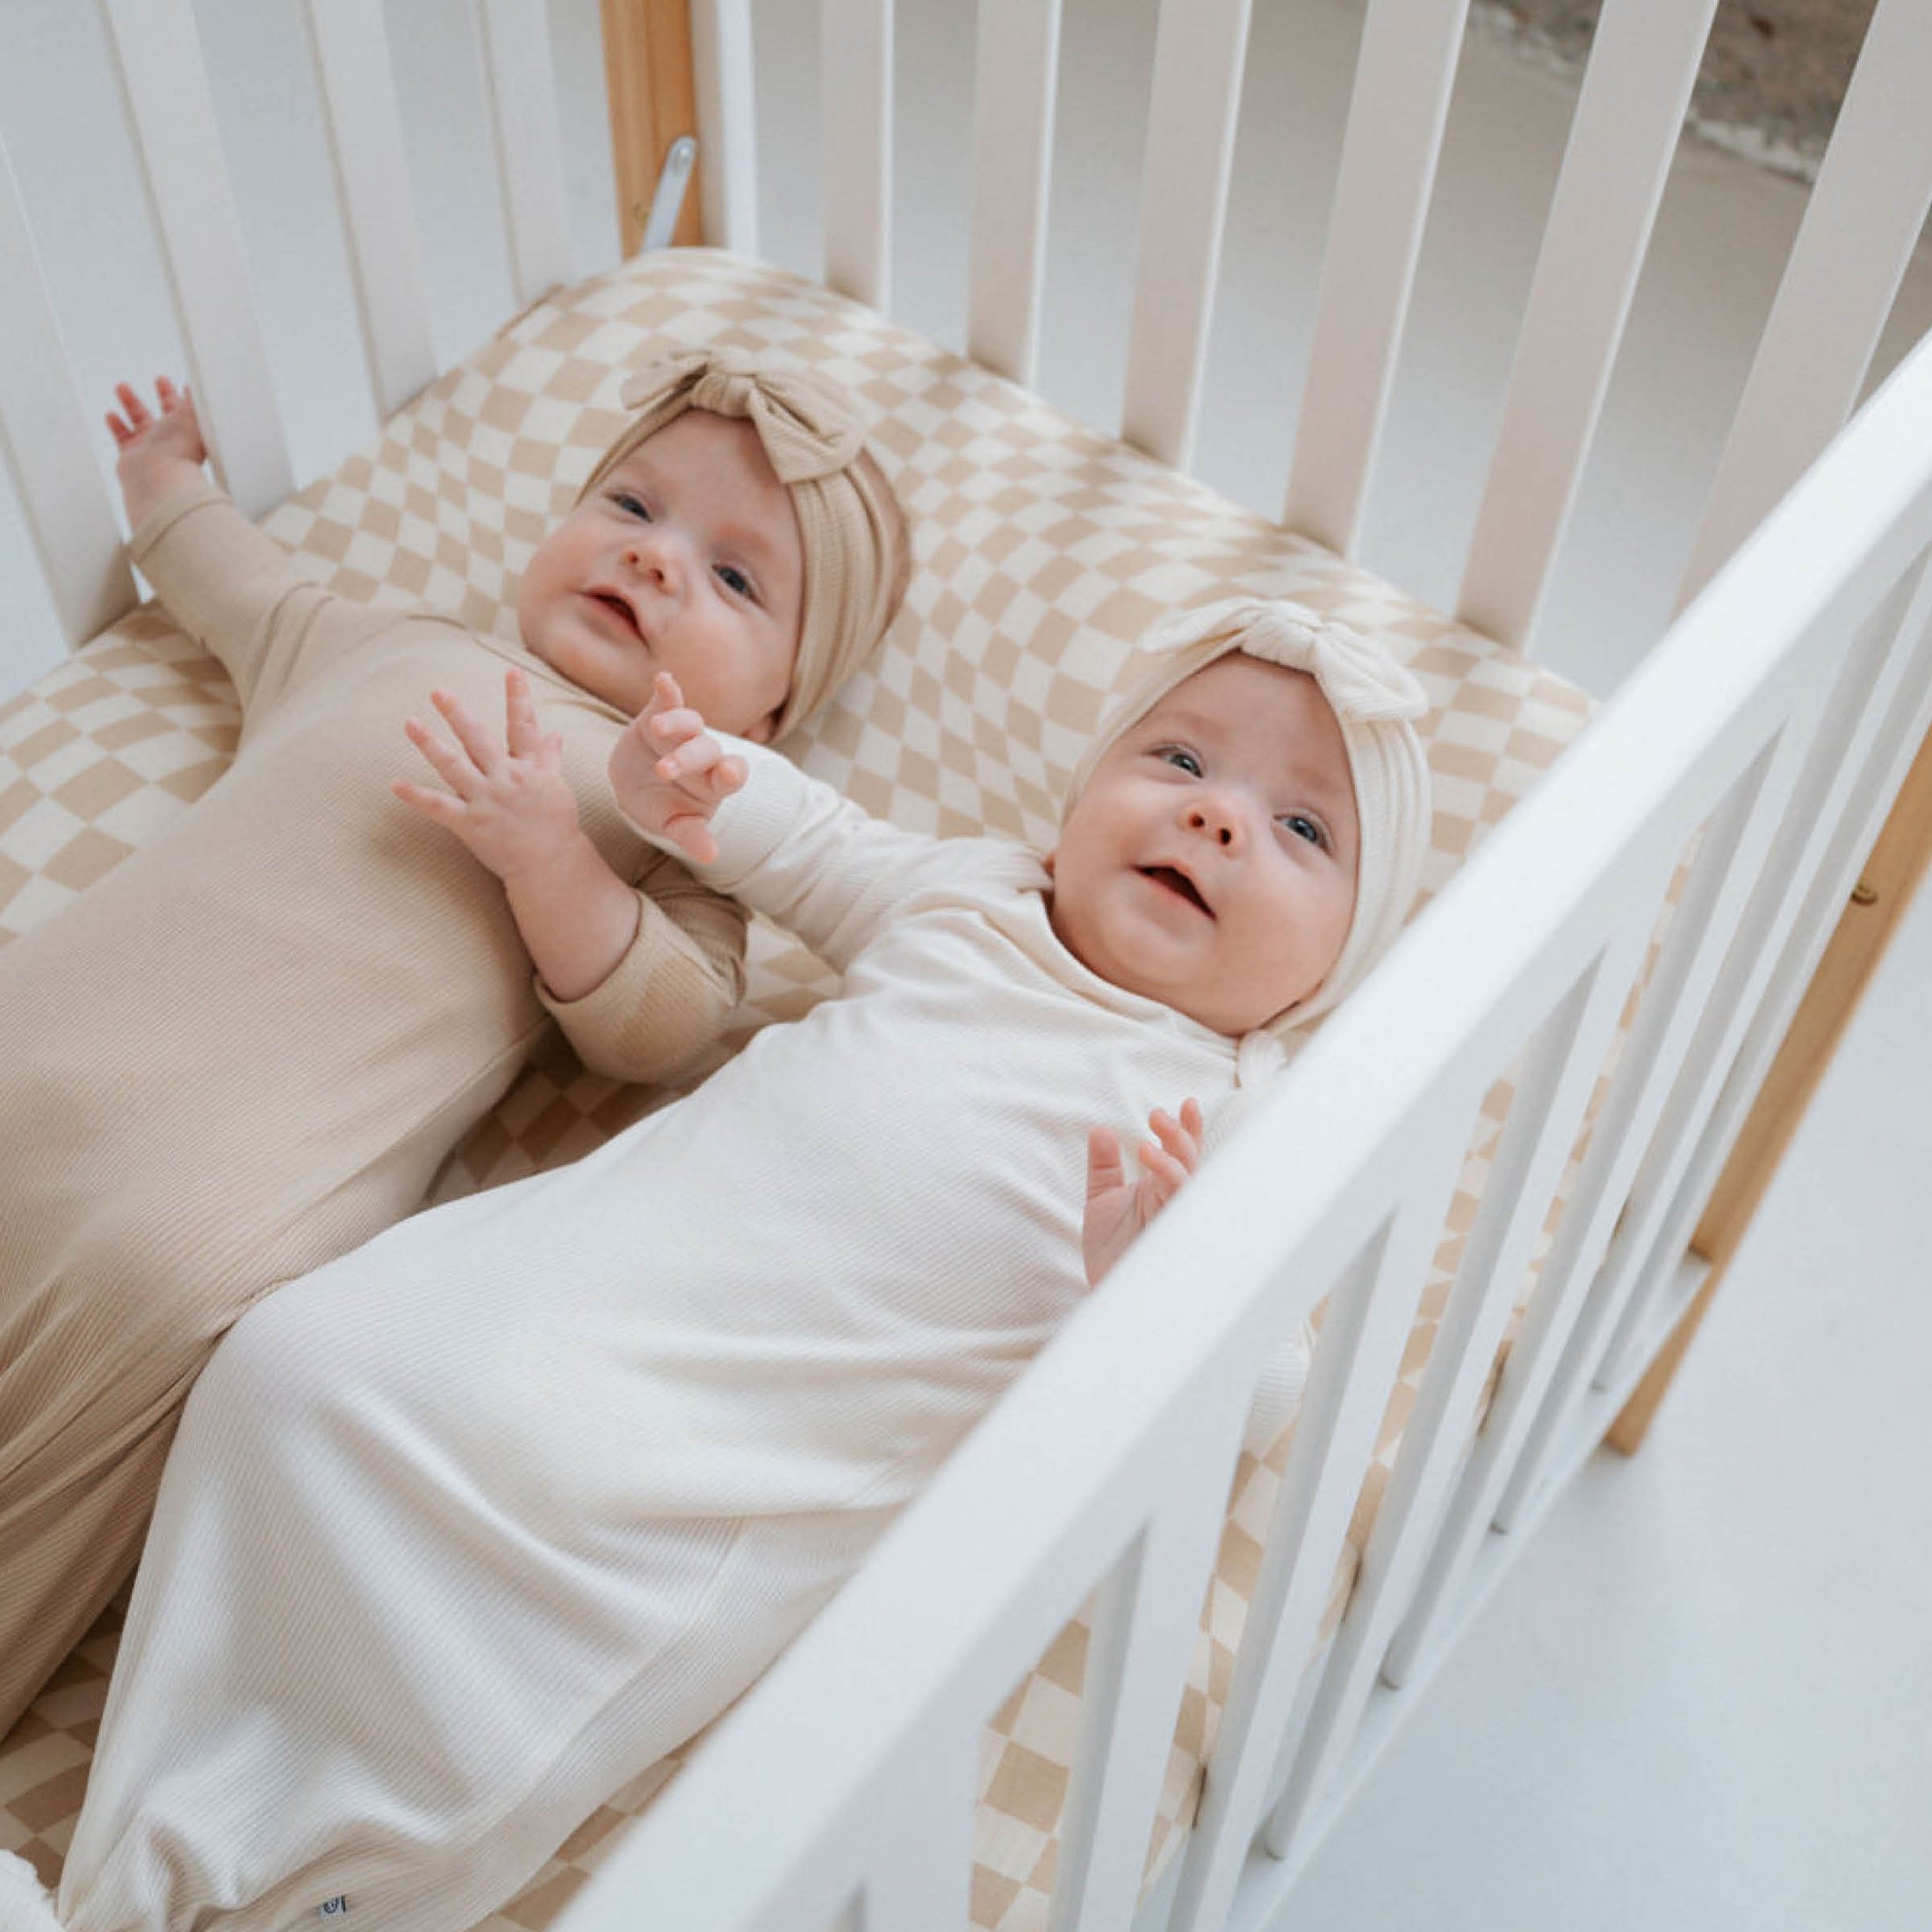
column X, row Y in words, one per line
column 248, row 1048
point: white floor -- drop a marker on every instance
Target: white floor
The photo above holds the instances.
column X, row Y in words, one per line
column 1703, row 1700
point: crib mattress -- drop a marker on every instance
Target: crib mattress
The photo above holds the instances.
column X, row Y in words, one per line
column 1044, row 551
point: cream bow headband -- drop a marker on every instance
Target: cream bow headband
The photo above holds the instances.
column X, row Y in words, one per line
column 1363, row 684
column 1373, row 698
column 850, row 526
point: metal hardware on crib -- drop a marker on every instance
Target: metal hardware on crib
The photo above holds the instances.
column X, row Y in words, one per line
column 667, row 199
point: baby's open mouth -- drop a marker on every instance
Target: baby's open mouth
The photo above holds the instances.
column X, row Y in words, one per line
column 1179, row 883
column 618, row 608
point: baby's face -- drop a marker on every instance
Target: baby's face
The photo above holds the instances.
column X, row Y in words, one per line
column 1210, row 861
column 685, row 559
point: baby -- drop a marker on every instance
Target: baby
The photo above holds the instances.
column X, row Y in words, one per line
column 248, row 1048
column 467, row 1528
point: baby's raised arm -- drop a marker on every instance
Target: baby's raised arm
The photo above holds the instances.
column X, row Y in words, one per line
column 228, row 585
column 510, row 803
column 158, row 453
column 670, row 774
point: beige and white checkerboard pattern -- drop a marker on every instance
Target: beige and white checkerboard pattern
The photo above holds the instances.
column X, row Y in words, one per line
column 1044, row 551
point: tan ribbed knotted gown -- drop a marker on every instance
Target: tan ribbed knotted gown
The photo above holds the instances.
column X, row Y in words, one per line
column 248, row 1047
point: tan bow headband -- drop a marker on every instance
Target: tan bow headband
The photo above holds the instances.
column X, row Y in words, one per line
column 1373, row 698
column 850, row 527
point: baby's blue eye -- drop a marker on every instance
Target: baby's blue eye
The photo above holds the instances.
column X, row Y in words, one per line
column 734, row 579
column 632, row 505
column 1303, row 827
column 1175, row 755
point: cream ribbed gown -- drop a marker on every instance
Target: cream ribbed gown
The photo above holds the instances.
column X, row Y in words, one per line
column 247, row 1048
column 467, row 1528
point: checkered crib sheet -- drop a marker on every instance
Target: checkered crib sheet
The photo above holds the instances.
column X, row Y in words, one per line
column 1044, row 551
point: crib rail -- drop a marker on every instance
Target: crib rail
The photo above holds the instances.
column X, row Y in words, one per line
column 50, row 432
column 1760, row 744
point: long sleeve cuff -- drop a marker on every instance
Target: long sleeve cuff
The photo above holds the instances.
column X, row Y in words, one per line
column 232, row 587
column 661, row 1006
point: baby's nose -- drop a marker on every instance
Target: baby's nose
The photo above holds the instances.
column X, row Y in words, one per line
column 651, row 556
column 1214, row 822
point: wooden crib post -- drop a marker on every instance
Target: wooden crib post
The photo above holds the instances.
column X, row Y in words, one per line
column 653, row 99
column 1898, row 862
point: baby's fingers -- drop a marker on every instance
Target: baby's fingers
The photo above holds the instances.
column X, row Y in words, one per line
column 700, row 763
column 675, row 725
column 475, row 737
column 438, row 805
column 526, row 740
column 1160, row 1172
column 691, row 833
column 127, row 424
column 1180, row 1138
column 1105, row 1171
column 456, row 771
column 725, row 777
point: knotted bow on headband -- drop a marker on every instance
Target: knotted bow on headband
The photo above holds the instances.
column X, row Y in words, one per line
column 1363, row 684
column 1373, row 698
column 852, row 530
column 805, row 423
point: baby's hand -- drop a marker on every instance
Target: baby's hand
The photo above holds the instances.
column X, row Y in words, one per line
column 510, row 803
column 670, row 774
column 1117, row 1209
column 157, row 453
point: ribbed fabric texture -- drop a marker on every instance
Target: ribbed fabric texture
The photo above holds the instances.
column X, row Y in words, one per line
column 466, row 1529
column 248, row 1047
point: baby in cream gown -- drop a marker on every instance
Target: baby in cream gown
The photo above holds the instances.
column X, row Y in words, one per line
column 463, row 1530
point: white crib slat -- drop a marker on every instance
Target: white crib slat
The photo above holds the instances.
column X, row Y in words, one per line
column 1566, row 1056
column 1643, row 62
column 1690, row 975
column 1198, row 54
column 856, row 53
column 1863, row 696
column 520, row 85
column 352, row 64
column 1371, row 1310
column 1401, row 103
column 721, row 69
column 1018, row 67
column 1863, row 220
column 52, row 450
column 1144, row 1629
column 1572, row 1047
column 158, row 59
column 1905, row 719
column 922, row 1873
column 1738, row 832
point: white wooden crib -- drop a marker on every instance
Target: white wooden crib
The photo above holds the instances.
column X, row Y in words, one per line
column 1624, row 954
